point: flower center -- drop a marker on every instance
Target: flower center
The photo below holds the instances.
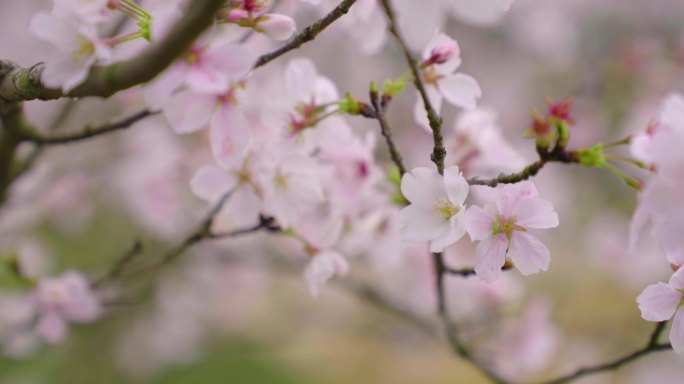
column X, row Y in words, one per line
column 446, row 208
column 505, row 226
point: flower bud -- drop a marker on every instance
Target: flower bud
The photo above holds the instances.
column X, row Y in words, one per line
column 277, row 27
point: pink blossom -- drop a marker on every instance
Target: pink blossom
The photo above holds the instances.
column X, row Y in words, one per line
column 436, row 213
column 443, row 82
column 67, row 298
column 79, row 48
column 660, row 302
column 277, row 27
column 89, row 11
column 502, row 231
column 322, row 267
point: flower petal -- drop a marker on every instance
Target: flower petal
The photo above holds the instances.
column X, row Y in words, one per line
column 479, row 223
column 456, row 186
column 451, row 235
column 535, row 213
column 460, row 90
column 423, row 186
column 211, row 182
column 230, row 136
column 528, row 253
column 491, row 256
column 418, row 224
column 677, row 332
column 658, row 302
column 511, row 194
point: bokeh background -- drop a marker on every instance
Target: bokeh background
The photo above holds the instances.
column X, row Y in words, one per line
column 238, row 311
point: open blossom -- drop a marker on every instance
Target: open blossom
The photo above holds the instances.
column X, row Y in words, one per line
column 441, row 59
column 323, row 267
column 502, row 231
column 90, row 11
column 79, row 48
column 660, row 302
column 63, row 299
column 436, row 213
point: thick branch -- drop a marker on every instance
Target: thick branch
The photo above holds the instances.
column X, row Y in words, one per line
column 88, row 132
column 11, row 121
column 651, row 347
column 307, row 34
column 21, row 84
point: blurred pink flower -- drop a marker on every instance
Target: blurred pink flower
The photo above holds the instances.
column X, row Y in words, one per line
column 322, row 267
column 67, row 298
column 660, row 302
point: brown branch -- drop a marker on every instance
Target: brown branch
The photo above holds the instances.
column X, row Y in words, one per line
column 22, row 84
column 651, row 347
column 119, row 267
column 307, row 34
column 88, row 132
column 11, row 121
column 559, row 155
column 438, row 152
column 379, row 109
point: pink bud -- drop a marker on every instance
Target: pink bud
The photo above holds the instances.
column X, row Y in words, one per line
column 236, row 14
column 276, row 26
column 443, row 53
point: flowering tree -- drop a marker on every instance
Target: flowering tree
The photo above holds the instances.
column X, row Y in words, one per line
column 223, row 115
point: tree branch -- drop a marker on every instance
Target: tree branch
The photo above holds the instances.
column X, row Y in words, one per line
column 379, row 108
column 307, row 34
column 651, row 346
column 88, row 132
column 438, row 152
column 11, row 121
column 22, row 84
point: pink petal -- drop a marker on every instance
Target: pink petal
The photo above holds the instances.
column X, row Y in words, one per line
column 478, row 223
column 52, row 327
column 460, row 90
column 451, row 233
column 535, row 213
column 423, row 186
column 456, row 186
column 189, row 112
column 677, row 280
column 211, row 182
column 230, row 136
column 420, row 224
column 491, row 256
column 511, row 194
column 677, row 332
column 528, row 253
column 658, row 302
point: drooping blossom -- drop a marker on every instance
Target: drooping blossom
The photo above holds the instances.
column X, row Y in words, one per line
column 441, row 59
column 79, row 48
column 63, row 299
column 661, row 302
column 436, row 213
column 502, row 231
column 323, row 267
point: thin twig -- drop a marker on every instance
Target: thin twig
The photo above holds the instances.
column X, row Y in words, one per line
column 307, row 34
column 386, row 130
column 435, row 120
column 650, row 347
column 119, row 267
column 88, row 132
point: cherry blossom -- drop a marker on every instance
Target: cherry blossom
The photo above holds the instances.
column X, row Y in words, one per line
column 62, row 299
column 79, row 48
column 322, row 267
column 502, row 231
column 660, row 302
column 479, row 12
column 436, row 213
column 441, row 59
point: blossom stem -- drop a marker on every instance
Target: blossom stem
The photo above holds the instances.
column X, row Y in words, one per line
column 386, row 130
column 434, row 119
column 307, row 34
